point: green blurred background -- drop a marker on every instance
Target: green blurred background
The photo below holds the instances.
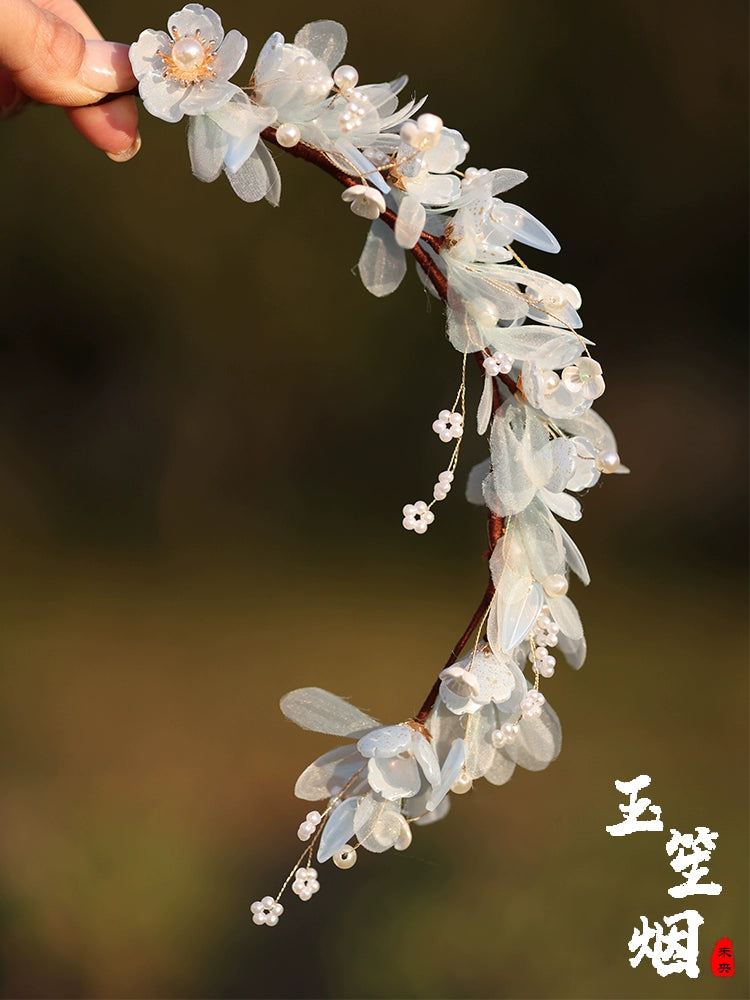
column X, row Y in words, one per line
column 208, row 431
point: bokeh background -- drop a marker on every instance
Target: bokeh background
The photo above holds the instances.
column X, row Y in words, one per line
column 208, row 431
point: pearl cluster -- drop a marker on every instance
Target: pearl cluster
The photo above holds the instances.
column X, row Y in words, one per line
column 424, row 133
column 309, row 824
column 449, row 425
column 531, row 706
column 504, row 735
column 543, row 662
column 266, row 911
column 305, row 883
column 417, row 517
column 498, row 364
column 471, row 174
column 442, row 487
column 317, row 80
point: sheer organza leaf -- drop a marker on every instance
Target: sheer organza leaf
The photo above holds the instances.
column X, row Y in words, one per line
column 323, row 712
column 538, row 741
column 382, row 264
column 479, row 749
column 329, row 773
column 325, row 39
column 566, row 615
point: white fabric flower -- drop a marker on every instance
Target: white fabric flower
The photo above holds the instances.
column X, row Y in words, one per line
column 186, row 72
column 585, row 377
column 364, row 200
column 395, row 756
column 478, row 679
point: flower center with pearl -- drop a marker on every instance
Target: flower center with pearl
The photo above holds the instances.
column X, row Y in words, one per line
column 189, row 61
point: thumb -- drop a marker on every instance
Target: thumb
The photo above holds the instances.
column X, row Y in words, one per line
column 49, row 61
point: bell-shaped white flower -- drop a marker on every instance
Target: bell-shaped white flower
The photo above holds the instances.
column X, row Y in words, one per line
column 395, row 756
column 186, row 72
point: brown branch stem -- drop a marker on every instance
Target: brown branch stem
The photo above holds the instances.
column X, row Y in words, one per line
column 495, row 524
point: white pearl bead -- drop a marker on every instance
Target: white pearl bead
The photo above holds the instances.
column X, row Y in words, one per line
column 188, row 53
column 551, row 382
column 555, row 585
column 313, row 817
column 346, row 77
column 346, row 857
column 509, row 731
column 462, row 784
column 607, row 461
column 497, row 739
column 287, row 135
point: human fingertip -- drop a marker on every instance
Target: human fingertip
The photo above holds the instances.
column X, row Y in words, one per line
column 129, row 153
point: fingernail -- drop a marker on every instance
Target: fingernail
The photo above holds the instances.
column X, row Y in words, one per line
column 106, row 67
column 129, row 153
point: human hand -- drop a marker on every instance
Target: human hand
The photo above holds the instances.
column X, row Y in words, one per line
column 51, row 52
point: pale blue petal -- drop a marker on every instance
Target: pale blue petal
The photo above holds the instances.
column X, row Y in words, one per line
column 338, row 830
column 427, row 758
column 250, row 182
column 450, row 770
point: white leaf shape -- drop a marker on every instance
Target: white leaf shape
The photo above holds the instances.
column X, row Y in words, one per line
column 206, row 148
column 323, row 712
column 573, row 555
column 329, row 773
column 250, row 182
column 562, row 503
column 537, row 742
column 273, row 190
column 325, row 39
column 524, row 226
column 549, row 347
column 382, row 264
column 500, row 770
column 338, row 830
column 484, row 412
column 574, row 651
column 520, row 612
column 479, row 749
column 566, row 615
column 590, row 425
column 542, row 543
column 377, row 823
column 409, row 222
